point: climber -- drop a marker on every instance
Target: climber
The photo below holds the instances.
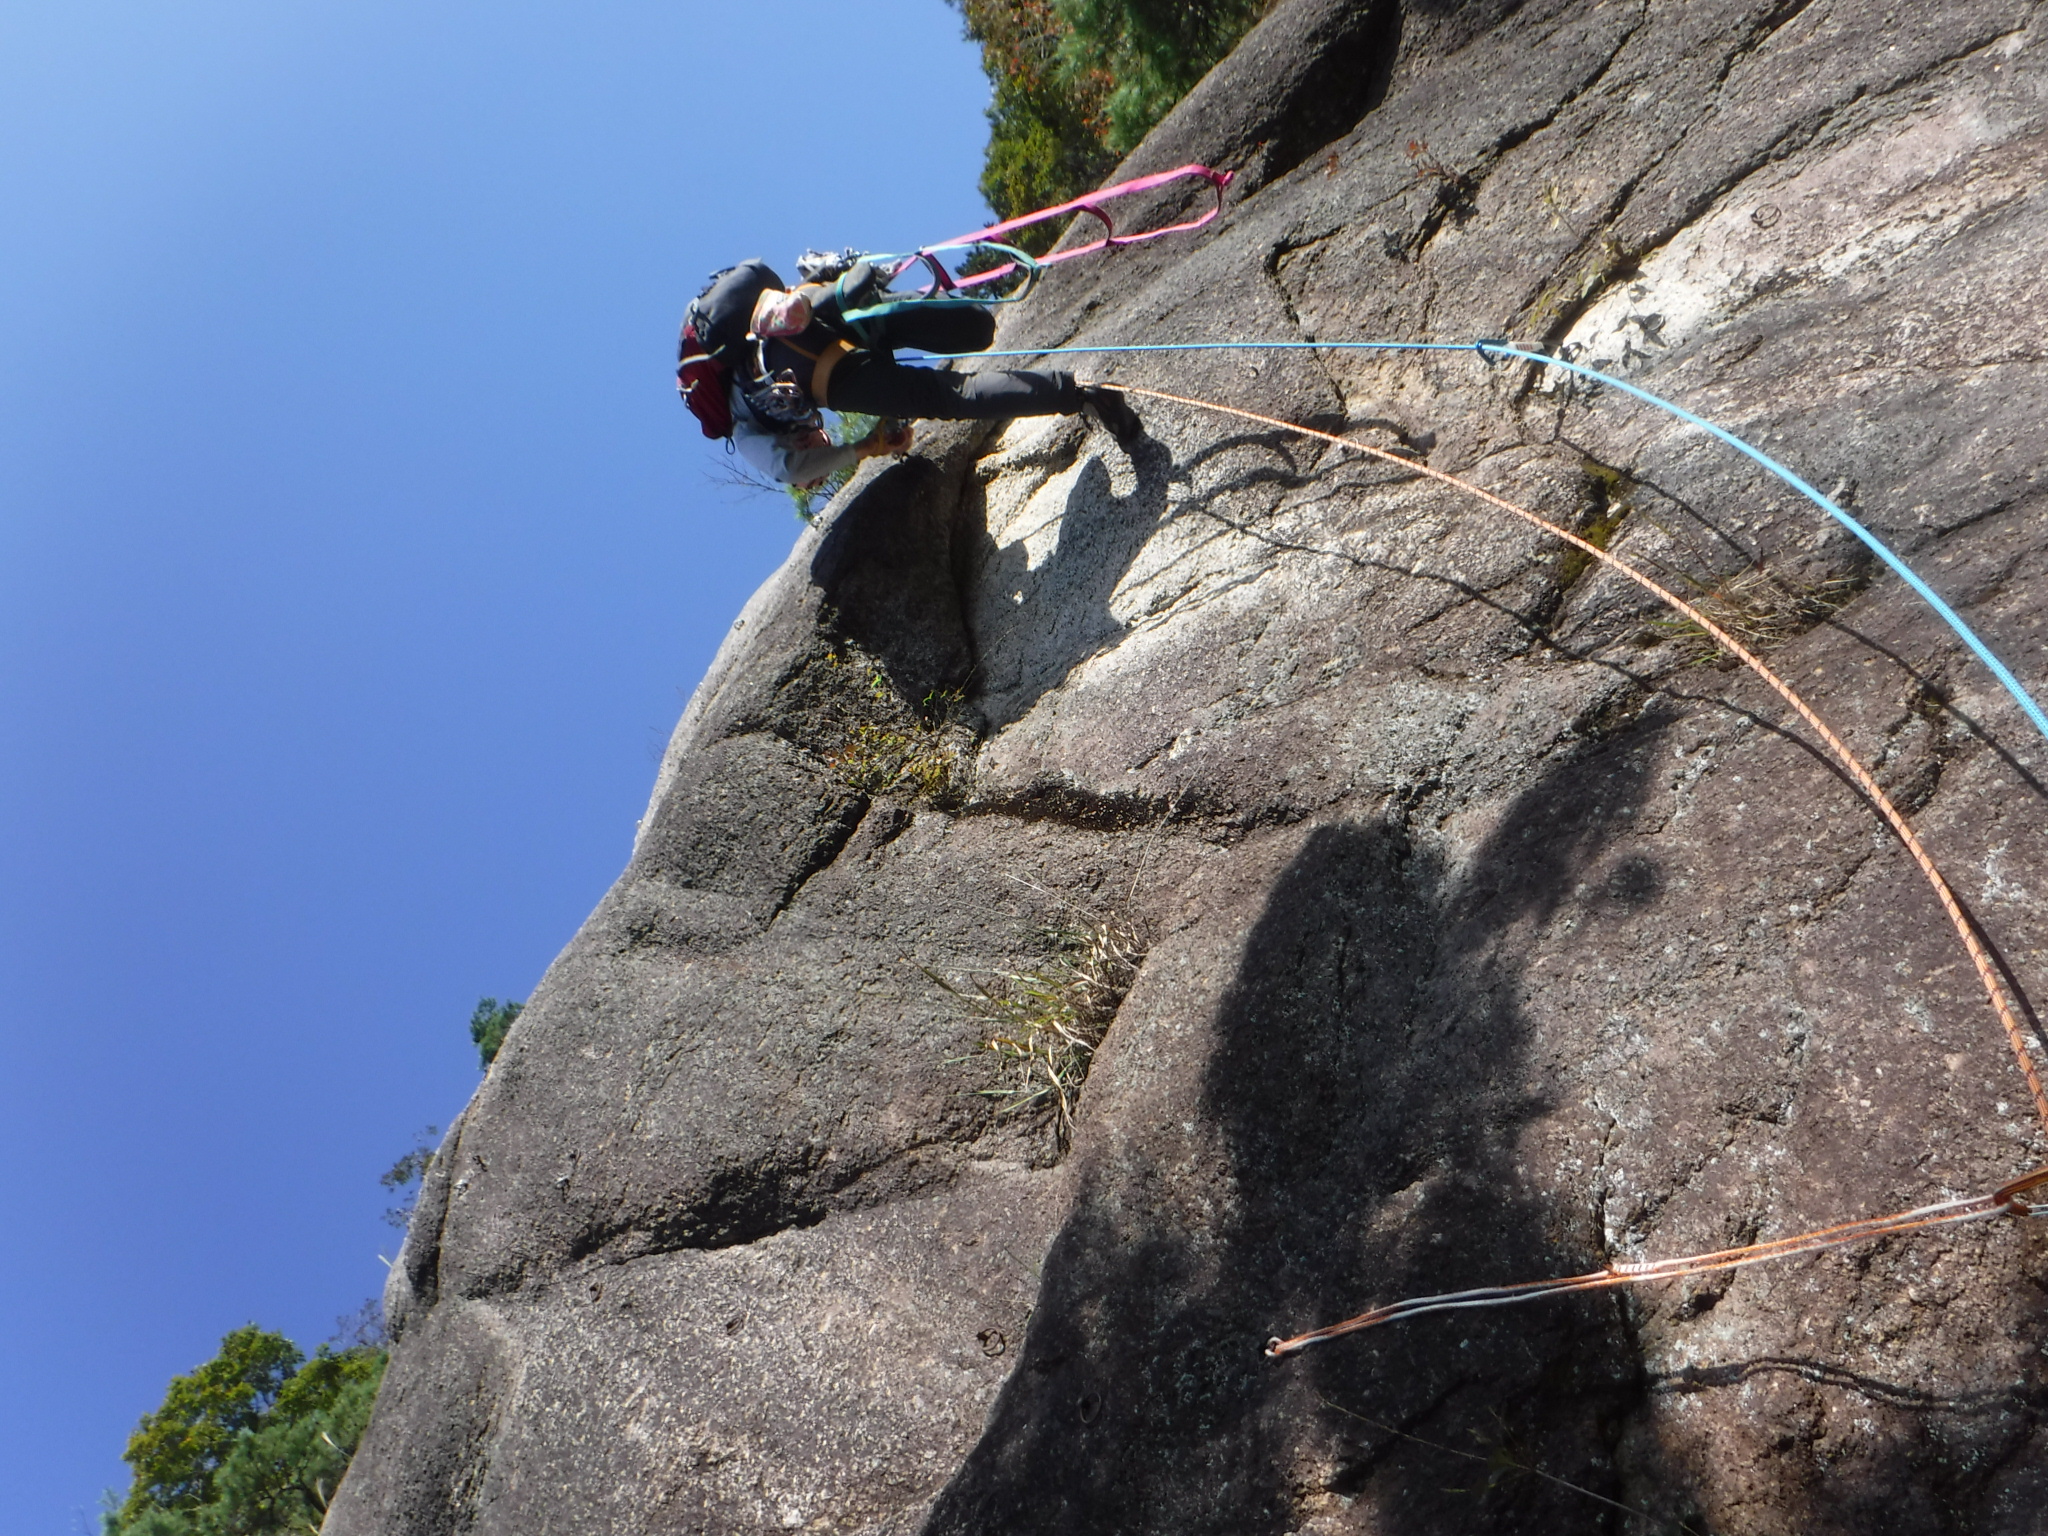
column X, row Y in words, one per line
column 758, row 362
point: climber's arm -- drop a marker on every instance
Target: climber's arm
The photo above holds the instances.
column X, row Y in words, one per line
column 794, row 458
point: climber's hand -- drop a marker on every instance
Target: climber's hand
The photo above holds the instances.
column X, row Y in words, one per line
column 890, row 437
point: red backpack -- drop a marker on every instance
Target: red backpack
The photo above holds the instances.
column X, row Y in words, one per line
column 714, row 342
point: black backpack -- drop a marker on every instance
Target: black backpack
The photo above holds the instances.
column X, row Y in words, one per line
column 714, row 342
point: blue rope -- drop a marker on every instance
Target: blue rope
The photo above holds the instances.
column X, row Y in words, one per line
column 1490, row 350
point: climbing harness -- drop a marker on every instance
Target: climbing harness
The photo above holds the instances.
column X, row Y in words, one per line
column 944, row 286
column 1489, row 350
column 2006, row 1201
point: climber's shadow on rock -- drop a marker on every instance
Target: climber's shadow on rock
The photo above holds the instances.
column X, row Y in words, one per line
column 1039, row 602
column 1349, row 1136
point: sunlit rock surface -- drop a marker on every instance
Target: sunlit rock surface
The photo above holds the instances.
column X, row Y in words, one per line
column 1495, row 930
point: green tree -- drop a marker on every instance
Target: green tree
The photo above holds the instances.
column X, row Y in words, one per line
column 1047, row 125
column 177, row 1450
column 281, row 1475
column 253, row 1443
column 1077, row 83
column 1153, row 50
column 489, row 1023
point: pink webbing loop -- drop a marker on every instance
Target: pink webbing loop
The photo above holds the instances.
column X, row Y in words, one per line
column 1089, row 203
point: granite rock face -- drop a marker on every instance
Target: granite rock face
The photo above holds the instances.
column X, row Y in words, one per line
column 1494, row 931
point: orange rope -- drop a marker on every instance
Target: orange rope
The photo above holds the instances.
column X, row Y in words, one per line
column 2004, row 1202
column 1993, row 987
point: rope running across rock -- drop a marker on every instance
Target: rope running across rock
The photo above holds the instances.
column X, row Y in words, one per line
column 1492, row 350
column 2005, row 1201
column 2009, row 1199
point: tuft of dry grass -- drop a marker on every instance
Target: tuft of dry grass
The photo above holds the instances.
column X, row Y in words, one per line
column 1455, row 189
column 914, row 760
column 914, row 752
column 1041, row 1028
column 1761, row 610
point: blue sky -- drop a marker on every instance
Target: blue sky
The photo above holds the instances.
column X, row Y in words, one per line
column 355, row 560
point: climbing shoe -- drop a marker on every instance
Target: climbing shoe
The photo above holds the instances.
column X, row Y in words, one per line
column 1108, row 406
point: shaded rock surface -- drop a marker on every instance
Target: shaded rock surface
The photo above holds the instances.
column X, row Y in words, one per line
column 1495, row 931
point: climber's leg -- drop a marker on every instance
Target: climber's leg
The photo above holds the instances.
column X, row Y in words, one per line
column 939, row 327
column 877, row 385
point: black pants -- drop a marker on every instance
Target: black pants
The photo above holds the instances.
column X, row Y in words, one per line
column 870, row 380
